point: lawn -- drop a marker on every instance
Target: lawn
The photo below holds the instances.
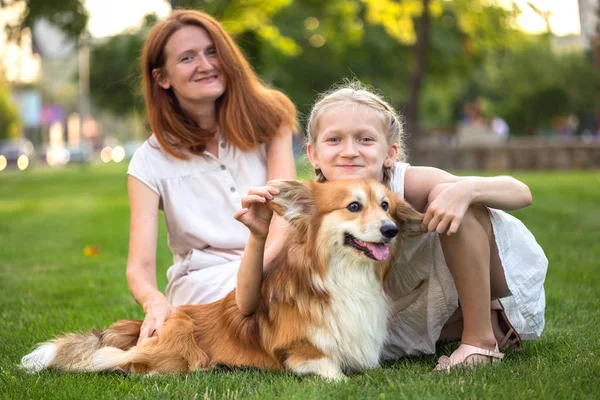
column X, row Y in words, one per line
column 63, row 251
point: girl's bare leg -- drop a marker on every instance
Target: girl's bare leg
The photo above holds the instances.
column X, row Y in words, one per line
column 473, row 261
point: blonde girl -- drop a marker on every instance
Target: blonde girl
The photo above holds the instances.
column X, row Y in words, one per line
column 476, row 275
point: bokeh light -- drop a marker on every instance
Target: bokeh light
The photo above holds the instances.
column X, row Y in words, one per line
column 57, row 156
column 118, row 154
column 3, row 163
column 23, row 162
column 311, row 23
column 317, row 40
column 106, row 154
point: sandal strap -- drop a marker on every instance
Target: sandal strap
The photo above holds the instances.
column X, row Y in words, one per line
column 511, row 338
column 473, row 350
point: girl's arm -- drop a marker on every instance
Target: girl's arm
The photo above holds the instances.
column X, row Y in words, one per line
column 265, row 240
column 445, row 198
column 141, row 264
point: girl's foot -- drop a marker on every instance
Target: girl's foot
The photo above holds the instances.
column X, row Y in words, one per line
column 467, row 356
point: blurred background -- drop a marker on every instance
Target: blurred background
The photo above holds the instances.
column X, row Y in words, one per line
column 482, row 84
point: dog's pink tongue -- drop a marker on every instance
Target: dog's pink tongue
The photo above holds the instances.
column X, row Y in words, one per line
column 380, row 251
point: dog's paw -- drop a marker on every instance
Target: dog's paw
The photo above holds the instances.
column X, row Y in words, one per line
column 335, row 377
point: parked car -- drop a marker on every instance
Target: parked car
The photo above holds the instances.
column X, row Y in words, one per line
column 13, row 150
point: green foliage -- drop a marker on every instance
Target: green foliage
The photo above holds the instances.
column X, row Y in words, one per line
column 305, row 46
column 243, row 16
column 530, row 84
column 70, row 16
column 115, row 75
column 10, row 123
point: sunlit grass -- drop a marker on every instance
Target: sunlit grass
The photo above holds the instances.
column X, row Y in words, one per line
column 50, row 282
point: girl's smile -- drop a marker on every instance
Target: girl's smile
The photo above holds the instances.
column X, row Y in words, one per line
column 351, row 143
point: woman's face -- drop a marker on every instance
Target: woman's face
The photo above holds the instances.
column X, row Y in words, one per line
column 351, row 144
column 192, row 68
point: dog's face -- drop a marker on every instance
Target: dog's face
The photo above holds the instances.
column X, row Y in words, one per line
column 353, row 218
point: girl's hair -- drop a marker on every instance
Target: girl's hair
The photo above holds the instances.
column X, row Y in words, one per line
column 248, row 113
column 356, row 93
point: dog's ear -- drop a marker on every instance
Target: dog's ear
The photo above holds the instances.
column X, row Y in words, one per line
column 294, row 202
column 410, row 219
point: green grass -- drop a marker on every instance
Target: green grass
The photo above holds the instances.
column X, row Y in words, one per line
column 48, row 286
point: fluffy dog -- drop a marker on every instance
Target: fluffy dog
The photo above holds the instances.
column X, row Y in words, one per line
column 323, row 308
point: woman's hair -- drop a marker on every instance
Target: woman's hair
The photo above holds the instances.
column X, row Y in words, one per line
column 356, row 93
column 248, row 113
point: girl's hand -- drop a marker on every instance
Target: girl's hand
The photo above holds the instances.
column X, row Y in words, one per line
column 254, row 213
column 448, row 203
column 157, row 311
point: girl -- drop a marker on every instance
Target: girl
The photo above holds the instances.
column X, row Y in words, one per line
column 217, row 132
column 471, row 253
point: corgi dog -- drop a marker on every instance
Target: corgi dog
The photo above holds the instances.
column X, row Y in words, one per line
column 323, row 309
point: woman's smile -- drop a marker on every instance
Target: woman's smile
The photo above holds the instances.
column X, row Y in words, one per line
column 207, row 79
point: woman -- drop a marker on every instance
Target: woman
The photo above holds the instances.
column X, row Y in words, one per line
column 217, row 131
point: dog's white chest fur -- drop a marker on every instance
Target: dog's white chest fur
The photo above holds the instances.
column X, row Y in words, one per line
column 356, row 319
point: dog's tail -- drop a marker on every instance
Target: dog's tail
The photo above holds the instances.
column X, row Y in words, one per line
column 75, row 352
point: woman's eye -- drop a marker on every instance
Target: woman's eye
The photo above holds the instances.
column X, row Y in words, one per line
column 332, row 140
column 367, row 139
column 385, row 205
column 186, row 58
column 355, row 206
column 211, row 52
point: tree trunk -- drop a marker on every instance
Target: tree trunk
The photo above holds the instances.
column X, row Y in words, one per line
column 596, row 53
column 411, row 112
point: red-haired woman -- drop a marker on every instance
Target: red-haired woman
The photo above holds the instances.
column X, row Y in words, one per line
column 217, row 132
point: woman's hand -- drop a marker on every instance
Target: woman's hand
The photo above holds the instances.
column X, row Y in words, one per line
column 255, row 213
column 157, row 311
column 448, row 203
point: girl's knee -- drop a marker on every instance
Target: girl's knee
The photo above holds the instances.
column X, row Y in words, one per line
column 473, row 222
column 436, row 191
column 475, row 219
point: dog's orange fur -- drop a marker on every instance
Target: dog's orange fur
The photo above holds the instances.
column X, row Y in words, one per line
column 278, row 334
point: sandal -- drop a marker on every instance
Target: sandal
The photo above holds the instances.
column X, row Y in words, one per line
column 511, row 339
column 463, row 356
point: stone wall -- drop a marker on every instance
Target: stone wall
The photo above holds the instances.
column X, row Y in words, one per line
column 517, row 154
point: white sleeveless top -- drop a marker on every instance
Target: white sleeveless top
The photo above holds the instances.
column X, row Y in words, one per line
column 199, row 197
column 424, row 295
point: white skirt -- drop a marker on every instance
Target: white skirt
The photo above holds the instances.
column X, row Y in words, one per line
column 418, row 318
column 202, row 278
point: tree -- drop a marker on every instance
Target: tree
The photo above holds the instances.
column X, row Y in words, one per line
column 10, row 124
column 70, row 16
column 304, row 46
column 522, row 85
column 114, row 71
column 244, row 16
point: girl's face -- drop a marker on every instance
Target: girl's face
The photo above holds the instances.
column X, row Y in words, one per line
column 192, row 68
column 351, row 144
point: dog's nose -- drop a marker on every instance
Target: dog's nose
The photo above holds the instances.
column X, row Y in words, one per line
column 389, row 229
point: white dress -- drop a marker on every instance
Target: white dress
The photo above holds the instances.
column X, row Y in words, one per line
column 426, row 294
column 199, row 197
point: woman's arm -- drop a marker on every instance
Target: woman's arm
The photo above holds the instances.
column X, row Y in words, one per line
column 141, row 264
column 263, row 245
column 444, row 198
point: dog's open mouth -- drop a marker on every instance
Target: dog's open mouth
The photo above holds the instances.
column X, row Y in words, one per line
column 376, row 251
